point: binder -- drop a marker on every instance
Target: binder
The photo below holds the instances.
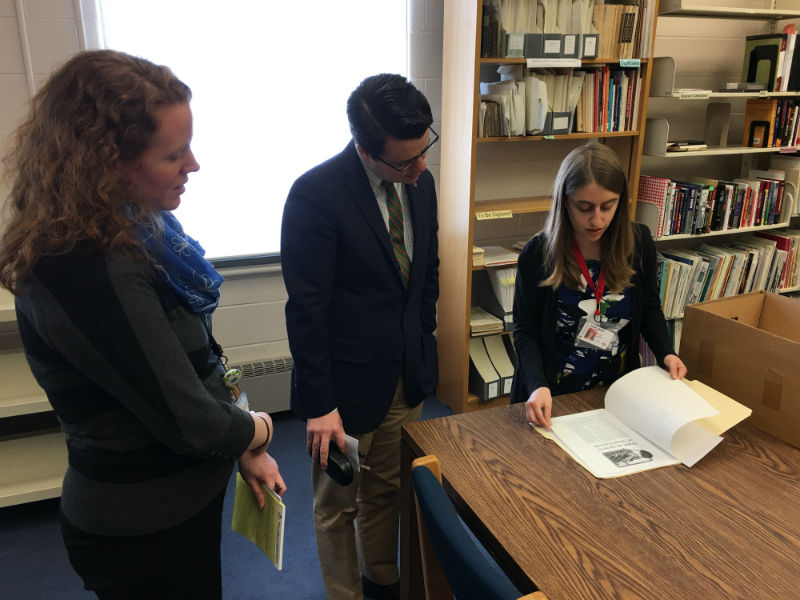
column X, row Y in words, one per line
column 496, row 350
column 484, row 381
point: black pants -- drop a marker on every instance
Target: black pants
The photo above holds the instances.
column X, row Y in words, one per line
column 182, row 562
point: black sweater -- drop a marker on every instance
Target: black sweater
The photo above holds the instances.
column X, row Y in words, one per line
column 535, row 316
column 151, row 432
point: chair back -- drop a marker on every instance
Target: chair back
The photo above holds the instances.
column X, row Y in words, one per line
column 470, row 573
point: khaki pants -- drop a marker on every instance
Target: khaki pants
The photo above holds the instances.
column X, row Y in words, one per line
column 357, row 526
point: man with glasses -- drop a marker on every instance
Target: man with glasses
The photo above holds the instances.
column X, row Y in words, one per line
column 359, row 259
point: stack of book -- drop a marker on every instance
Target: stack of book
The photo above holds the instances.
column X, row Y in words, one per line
column 699, row 205
column 771, row 123
column 748, row 263
column 478, row 259
column 482, row 322
column 609, row 100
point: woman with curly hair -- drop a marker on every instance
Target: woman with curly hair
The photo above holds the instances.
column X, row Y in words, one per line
column 585, row 289
column 114, row 305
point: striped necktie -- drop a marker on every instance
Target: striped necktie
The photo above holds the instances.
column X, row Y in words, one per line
column 396, row 235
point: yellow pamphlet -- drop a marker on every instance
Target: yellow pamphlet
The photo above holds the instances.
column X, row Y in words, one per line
column 262, row 526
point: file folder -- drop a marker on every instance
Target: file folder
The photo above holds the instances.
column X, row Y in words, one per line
column 484, row 380
column 496, row 350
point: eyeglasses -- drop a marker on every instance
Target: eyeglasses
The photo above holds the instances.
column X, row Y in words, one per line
column 403, row 166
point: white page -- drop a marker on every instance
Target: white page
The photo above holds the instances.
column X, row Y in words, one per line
column 663, row 416
column 606, row 446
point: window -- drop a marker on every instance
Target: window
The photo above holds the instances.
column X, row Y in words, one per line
column 270, row 82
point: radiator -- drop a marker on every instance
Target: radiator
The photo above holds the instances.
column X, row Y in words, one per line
column 267, row 383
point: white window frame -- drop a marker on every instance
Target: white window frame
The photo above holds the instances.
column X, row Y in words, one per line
column 207, row 209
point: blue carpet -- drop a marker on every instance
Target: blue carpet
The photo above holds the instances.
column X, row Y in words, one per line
column 34, row 564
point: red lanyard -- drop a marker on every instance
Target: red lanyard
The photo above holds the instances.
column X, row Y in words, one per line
column 601, row 280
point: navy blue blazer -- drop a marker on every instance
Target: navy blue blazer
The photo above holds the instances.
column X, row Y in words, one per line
column 353, row 327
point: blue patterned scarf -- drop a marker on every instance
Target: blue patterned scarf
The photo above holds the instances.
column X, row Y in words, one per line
column 179, row 260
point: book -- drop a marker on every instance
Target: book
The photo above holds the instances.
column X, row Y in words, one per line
column 649, row 421
column 654, row 190
column 262, row 526
column 686, row 146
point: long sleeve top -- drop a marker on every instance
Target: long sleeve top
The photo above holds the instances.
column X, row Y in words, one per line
column 151, row 432
column 535, row 316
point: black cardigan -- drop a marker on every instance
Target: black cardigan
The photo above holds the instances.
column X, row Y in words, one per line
column 535, row 316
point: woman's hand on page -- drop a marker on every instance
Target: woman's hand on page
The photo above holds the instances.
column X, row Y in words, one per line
column 538, row 408
column 675, row 366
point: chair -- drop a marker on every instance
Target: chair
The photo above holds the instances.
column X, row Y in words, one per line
column 452, row 563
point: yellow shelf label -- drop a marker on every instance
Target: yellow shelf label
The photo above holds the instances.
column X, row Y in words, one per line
column 493, row 214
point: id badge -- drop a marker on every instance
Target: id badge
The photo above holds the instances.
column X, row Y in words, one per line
column 594, row 335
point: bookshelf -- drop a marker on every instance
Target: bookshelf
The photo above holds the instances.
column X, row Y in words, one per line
column 33, row 453
column 493, row 174
column 685, row 94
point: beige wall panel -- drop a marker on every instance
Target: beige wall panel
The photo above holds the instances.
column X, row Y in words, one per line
column 8, row 8
column 249, row 323
column 49, row 9
column 254, row 352
column 52, row 41
column 267, row 287
column 13, row 100
column 426, row 60
column 10, row 52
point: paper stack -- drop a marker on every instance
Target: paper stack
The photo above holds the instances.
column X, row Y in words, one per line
column 478, row 258
column 482, row 322
column 503, row 280
column 496, row 256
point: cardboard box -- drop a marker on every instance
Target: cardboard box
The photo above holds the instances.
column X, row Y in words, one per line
column 748, row 347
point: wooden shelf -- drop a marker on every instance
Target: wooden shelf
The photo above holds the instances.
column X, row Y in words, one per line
column 531, row 204
column 515, row 179
column 566, row 136
column 686, row 8
column 475, row 403
column 32, row 467
column 524, row 61
column 488, row 333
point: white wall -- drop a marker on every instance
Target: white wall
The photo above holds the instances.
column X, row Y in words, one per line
column 250, row 321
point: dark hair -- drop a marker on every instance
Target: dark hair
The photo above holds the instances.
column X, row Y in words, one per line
column 99, row 109
column 587, row 164
column 384, row 106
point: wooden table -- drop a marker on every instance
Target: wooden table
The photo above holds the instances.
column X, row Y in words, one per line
column 729, row 527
